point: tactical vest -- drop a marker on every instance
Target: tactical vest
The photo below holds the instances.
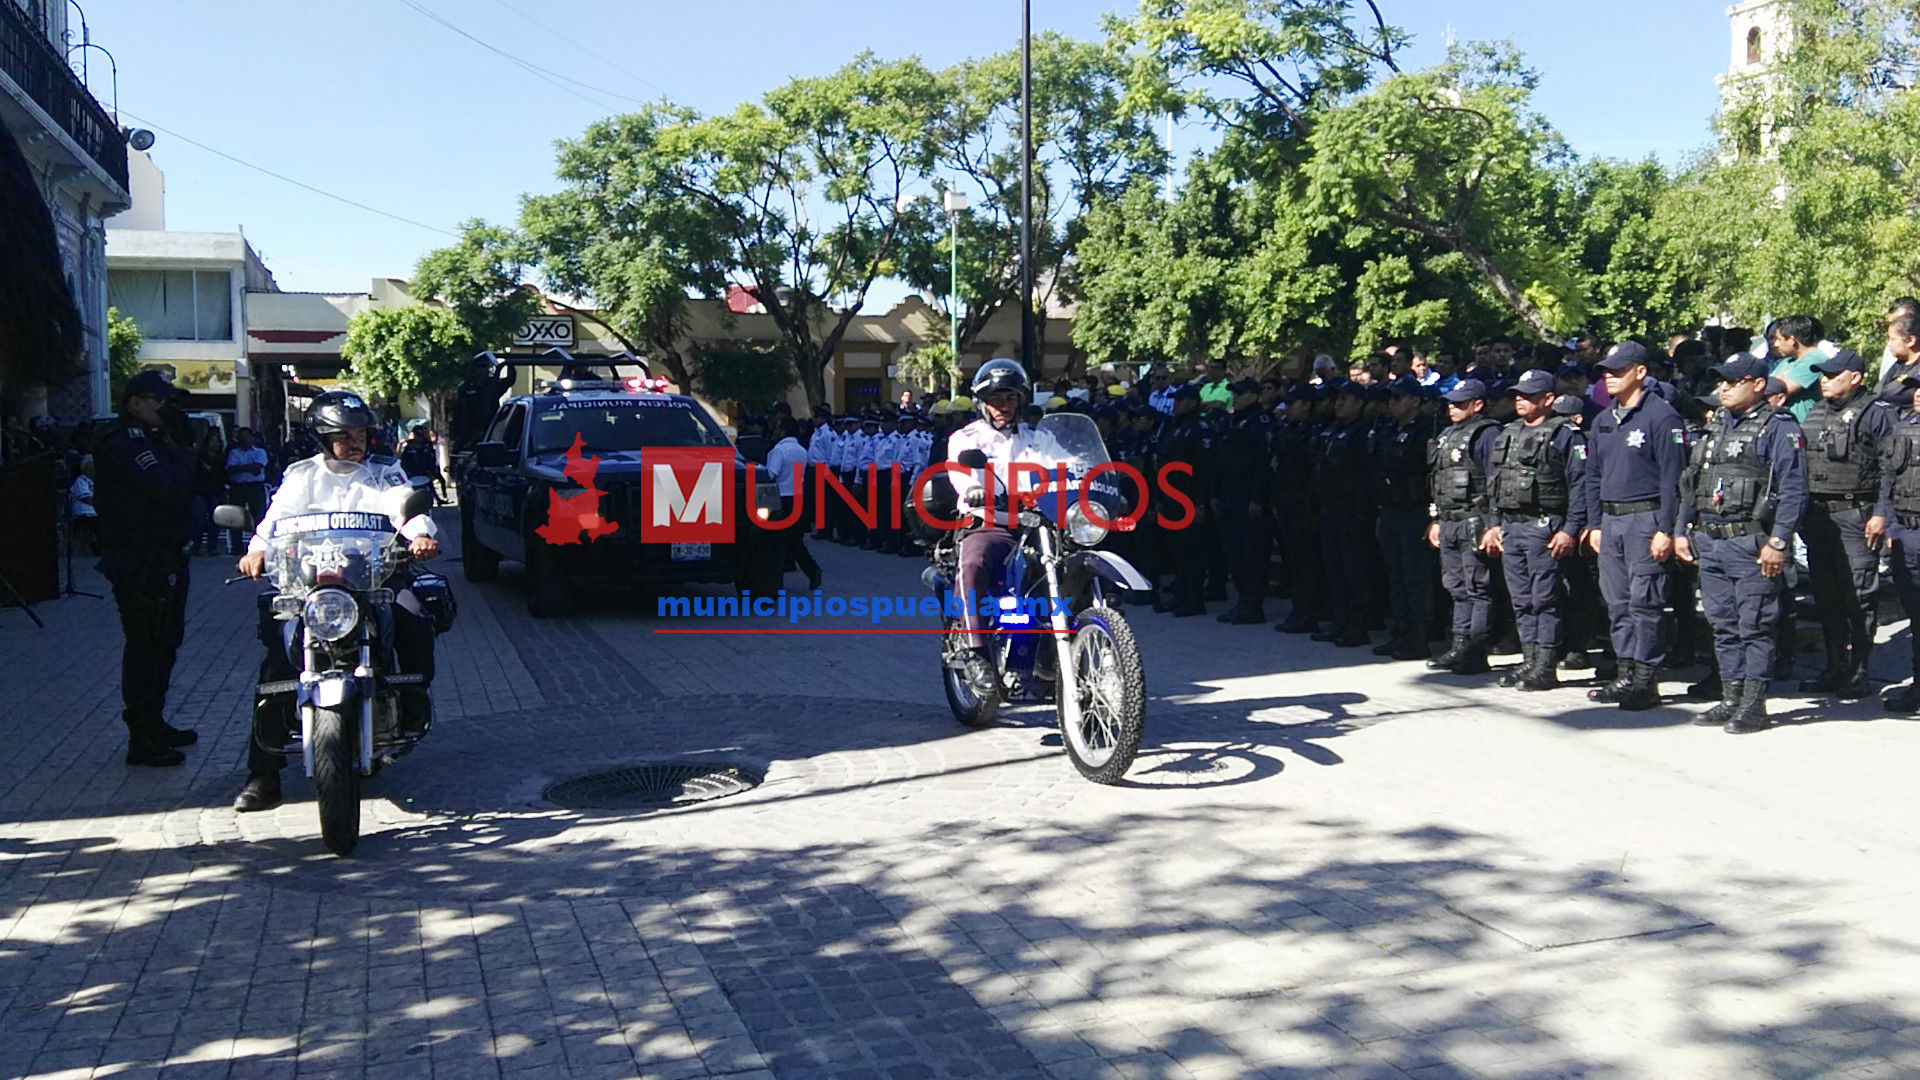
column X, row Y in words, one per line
column 1341, row 473
column 1839, row 461
column 1906, row 465
column 1730, row 482
column 1292, row 456
column 1529, row 478
column 1457, row 479
column 1400, row 466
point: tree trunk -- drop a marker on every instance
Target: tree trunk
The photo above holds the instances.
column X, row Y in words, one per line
column 1515, row 299
column 813, row 380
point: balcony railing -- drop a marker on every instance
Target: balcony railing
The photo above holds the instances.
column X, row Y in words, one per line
column 35, row 65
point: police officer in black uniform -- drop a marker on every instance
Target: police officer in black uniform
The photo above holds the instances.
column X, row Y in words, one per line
column 1295, row 437
column 1460, row 457
column 1743, row 495
column 1187, row 439
column 1243, row 460
column 1402, row 490
column 145, row 469
column 1636, row 451
column 1844, row 433
column 1539, row 464
column 1343, row 489
column 1895, row 525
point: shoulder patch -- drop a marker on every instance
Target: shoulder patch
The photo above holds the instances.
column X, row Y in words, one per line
column 1679, row 437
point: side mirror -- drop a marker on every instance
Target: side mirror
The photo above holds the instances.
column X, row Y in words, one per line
column 232, row 517
column 492, row 455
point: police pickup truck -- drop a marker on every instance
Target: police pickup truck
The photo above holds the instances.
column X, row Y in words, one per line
column 514, row 479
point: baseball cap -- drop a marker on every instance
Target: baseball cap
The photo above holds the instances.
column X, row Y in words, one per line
column 152, row 383
column 1405, row 386
column 1532, row 382
column 1844, row 360
column 1625, row 355
column 1466, row 390
column 1245, row 386
column 1741, row 366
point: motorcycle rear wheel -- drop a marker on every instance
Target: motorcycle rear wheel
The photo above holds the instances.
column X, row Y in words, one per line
column 1103, row 659
column 336, row 781
column 969, row 707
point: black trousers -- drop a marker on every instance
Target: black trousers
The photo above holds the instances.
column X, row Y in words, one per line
column 1301, row 567
column 1845, row 573
column 150, row 589
column 1247, row 541
column 1346, row 548
column 795, row 538
column 1187, row 553
column 982, row 554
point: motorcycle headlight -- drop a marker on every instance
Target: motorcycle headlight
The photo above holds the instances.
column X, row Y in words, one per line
column 1084, row 532
column 331, row 614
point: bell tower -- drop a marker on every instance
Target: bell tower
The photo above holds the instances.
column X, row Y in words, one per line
column 1761, row 37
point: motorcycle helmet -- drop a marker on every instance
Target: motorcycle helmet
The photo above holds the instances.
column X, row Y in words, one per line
column 336, row 411
column 996, row 376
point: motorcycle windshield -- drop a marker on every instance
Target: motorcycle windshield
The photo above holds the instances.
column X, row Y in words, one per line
column 1080, row 447
column 298, row 560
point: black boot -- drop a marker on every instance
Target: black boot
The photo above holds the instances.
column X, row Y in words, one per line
column 1708, row 688
column 1456, row 651
column 168, row 735
column 261, row 793
column 1298, row 623
column 1528, row 660
column 1606, row 667
column 1729, row 704
column 1474, row 660
column 1612, row 692
column 1904, row 700
column 1836, row 674
column 1856, row 685
column 1542, row 676
column 148, row 748
column 1643, row 691
column 1410, row 646
column 1751, row 715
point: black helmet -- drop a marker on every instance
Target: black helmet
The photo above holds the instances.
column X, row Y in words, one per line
column 336, row 411
column 999, row 375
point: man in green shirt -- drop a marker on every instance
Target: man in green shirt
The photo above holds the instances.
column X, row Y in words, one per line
column 1216, row 390
column 1796, row 340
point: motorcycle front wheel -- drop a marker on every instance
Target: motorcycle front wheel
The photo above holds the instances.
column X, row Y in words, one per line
column 1103, row 660
column 336, row 781
column 970, row 707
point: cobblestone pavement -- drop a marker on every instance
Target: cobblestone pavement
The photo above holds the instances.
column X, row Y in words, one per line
column 1321, row 864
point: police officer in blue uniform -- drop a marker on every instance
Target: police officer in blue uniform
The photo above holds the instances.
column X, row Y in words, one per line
column 1895, row 525
column 1844, row 431
column 1539, row 467
column 1295, row 442
column 1342, row 487
column 1460, row 456
column 145, row 468
column 1243, row 457
column 1743, row 494
column 1403, row 492
column 1636, row 453
column 1187, row 439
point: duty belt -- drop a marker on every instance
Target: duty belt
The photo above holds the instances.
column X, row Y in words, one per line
column 1526, row 519
column 1458, row 515
column 1849, row 501
column 1908, row 521
column 1621, row 509
column 1727, row 530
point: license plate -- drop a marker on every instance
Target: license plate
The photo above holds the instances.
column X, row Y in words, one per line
column 690, row 552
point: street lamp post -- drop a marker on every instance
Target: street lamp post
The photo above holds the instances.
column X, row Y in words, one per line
column 1027, row 358
column 955, row 202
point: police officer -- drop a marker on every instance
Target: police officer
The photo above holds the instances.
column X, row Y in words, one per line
column 1744, row 492
column 1294, row 443
column 1895, row 525
column 1244, row 458
column 1844, row 432
column 145, row 468
column 1636, row 452
column 1343, row 489
column 1187, row 439
column 822, row 452
column 1402, row 491
column 1539, row 465
column 1460, row 456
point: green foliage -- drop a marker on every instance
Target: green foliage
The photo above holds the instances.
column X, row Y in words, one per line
column 480, row 278
column 932, row 365
column 123, row 351
column 419, row 350
column 752, row 378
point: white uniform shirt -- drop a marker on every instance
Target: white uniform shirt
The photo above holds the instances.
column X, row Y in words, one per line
column 782, row 458
column 869, row 446
column 849, row 454
column 1002, row 449
column 820, row 451
column 311, row 486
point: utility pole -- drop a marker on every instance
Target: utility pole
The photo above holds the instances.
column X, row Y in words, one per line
column 1027, row 347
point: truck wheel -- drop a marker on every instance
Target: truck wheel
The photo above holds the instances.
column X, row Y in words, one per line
column 548, row 593
column 478, row 562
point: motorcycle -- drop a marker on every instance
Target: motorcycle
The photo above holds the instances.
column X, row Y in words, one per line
column 331, row 610
column 1057, row 610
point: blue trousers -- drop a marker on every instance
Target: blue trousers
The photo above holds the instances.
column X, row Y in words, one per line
column 1534, row 579
column 1635, row 587
column 1344, row 530
column 1467, row 575
column 1410, row 565
column 1741, row 604
column 1906, row 575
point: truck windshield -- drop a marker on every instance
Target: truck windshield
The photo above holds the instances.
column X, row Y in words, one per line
column 624, row 425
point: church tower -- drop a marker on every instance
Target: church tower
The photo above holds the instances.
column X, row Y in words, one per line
column 1761, row 37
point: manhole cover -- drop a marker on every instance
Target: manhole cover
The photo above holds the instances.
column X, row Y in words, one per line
column 651, row 785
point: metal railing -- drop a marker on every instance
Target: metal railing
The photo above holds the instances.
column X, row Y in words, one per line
column 35, row 65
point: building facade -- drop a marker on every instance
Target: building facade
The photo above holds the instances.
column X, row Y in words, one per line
column 79, row 157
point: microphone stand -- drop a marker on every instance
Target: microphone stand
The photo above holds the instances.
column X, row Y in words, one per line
column 66, row 529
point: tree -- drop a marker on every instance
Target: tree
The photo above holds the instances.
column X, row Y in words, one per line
column 932, row 365
column 123, row 351
column 421, row 350
column 753, row 379
column 481, row 279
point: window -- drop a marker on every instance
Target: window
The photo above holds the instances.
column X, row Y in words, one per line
column 1753, row 46
column 613, row 426
column 175, row 305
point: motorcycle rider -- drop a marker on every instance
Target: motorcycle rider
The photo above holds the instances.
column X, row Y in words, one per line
column 343, row 476
column 999, row 389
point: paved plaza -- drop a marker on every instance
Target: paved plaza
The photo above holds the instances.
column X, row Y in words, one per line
column 1322, row 864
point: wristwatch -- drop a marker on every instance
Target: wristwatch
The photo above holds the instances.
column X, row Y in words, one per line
column 1776, row 543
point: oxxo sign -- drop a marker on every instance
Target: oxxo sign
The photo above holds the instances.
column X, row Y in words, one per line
column 546, row 330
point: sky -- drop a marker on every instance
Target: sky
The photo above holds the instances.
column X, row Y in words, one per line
column 384, row 103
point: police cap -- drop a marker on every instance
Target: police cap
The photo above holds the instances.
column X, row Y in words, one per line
column 1466, row 390
column 1532, row 382
column 1406, row 386
column 151, row 383
column 1739, row 367
column 1245, row 386
column 1625, row 355
column 1844, row 360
